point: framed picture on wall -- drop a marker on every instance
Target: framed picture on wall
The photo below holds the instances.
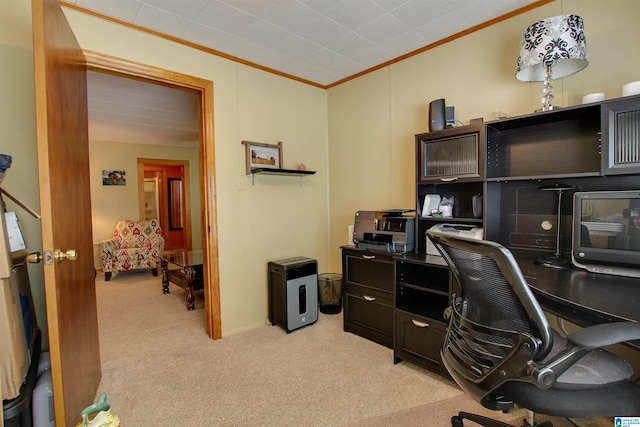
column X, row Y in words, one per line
column 259, row 155
column 113, row 177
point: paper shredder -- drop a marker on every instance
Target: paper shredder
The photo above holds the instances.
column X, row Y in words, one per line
column 293, row 292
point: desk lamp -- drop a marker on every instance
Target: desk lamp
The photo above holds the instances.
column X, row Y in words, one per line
column 552, row 48
column 555, row 261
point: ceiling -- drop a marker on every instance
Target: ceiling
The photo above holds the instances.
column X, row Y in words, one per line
column 321, row 42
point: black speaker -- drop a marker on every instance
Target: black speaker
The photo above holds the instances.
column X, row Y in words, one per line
column 437, row 115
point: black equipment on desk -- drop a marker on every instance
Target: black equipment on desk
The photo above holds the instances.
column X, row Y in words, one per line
column 385, row 230
column 606, row 232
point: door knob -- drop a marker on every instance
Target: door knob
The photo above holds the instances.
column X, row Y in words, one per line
column 60, row 256
column 34, row 257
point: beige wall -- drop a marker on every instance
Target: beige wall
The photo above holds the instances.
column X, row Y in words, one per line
column 373, row 119
column 359, row 134
column 18, row 133
column 278, row 217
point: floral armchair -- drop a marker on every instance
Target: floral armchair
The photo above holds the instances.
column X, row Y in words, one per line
column 135, row 245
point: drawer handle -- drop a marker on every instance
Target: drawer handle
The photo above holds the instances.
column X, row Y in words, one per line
column 368, row 298
column 369, row 256
column 419, row 324
column 455, row 178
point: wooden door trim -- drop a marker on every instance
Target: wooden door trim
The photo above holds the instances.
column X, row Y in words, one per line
column 129, row 69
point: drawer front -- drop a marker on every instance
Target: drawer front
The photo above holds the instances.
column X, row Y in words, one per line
column 418, row 339
column 368, row 314
column 368, row 269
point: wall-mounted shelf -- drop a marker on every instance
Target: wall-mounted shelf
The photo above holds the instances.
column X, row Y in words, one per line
column 271, row 171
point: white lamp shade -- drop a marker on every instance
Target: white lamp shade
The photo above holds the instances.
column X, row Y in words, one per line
column 558, row 41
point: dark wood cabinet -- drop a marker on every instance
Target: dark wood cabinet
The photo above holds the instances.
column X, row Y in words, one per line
column 399, row 300
column 422, row 296
column 621, row 136
column 368, row 290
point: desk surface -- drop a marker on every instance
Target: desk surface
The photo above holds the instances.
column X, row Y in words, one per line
column 581, row 297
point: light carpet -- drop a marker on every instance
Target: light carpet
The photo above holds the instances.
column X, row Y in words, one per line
column 159, row 368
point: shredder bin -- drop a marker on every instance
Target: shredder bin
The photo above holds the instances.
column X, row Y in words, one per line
column 293, row 292
column 330, row 293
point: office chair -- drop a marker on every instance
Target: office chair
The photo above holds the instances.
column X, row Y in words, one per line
column 500, row 349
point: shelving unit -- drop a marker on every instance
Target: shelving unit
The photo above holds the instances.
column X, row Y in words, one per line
column 422, row 296
column 281, row 172
column 593, row 147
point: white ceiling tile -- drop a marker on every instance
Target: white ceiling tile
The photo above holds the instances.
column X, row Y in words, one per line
column 293, row 17
column 122, row 9
column 325, row 58
column 322, row 30
column 207, row 36
column 382, row 29
column 223, row 17
column 416, row 12
column 297, row 47
column 354, row 13
column 262, row 33
column 161, row 20
column 390, row 4
column 320, row 5
column 321, row 41
column 373, row 57
column 188, row 9
column 445, row 26
column 350, row 44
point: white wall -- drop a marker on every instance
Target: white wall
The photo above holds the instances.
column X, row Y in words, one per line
column 373, row 119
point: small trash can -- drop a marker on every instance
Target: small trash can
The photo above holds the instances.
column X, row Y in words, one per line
column 330, row 293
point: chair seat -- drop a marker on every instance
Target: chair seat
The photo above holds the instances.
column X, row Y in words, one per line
column 598, row 368
column 621, row 399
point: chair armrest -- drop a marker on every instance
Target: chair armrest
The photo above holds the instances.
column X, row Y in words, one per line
column 108, row 245
column 157, row 245
column 579, row 344
column 605, row 334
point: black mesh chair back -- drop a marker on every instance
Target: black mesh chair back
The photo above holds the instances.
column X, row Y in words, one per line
column 500, row 349
column 496, row 325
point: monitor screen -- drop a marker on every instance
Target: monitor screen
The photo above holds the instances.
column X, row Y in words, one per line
column 606, row 232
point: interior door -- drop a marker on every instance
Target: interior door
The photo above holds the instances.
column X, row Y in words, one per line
column 65, row 204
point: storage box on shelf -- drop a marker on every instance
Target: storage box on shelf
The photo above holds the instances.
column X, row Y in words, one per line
column 368, row 294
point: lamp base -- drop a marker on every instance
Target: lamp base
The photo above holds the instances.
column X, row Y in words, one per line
column 552, row 262
column 553, row 107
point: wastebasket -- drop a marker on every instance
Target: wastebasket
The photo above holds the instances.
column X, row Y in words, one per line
column 330, row 293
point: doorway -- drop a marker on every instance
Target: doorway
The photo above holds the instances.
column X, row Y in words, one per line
column 204, row 89
column 164, row 194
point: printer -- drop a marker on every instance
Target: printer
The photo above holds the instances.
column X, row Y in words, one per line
column 390, row 230
column 464, row 230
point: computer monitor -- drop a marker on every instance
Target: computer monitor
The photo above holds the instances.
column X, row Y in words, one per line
column 606, row 232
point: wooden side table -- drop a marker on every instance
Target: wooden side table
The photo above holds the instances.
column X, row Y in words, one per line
column 188, row 275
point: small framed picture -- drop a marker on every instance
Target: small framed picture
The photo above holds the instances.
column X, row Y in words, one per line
column 111, row 177
column 259, row 155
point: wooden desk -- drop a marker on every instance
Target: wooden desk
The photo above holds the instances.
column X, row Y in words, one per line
column 188, row 275
column 584, row 298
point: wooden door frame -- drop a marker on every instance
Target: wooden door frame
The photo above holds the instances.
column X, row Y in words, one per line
column 204, row 88
column 142, row 162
